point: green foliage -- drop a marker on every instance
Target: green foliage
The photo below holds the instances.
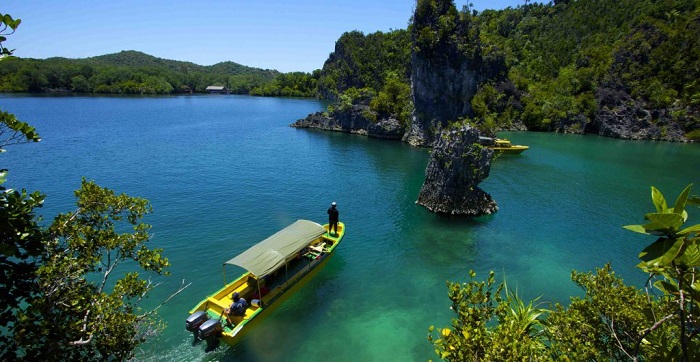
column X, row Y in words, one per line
column 297, row 84
column 694, row 135
column 606, row 323
column 676, row 247
column 364, row 61
column 473, row 337
column 612, row 322
column 131, row 72
column 355, row 96
column 20, row 248
column 77, row 310
column 370, row 70
column 13, row 131
column 394, row 100
column 559, row 54
column 6, row 21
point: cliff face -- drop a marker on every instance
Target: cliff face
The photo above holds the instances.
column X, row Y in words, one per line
column 621, row 116
column 442, row 91
column 352, row 121
column 457, row 165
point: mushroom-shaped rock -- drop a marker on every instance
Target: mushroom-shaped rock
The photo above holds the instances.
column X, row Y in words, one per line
column 458, row 163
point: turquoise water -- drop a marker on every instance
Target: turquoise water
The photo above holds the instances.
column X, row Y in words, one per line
column 224, row 172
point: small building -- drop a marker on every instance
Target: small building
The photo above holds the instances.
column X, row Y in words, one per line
column 217, row 89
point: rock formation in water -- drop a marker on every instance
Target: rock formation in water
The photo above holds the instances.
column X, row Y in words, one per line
column 446, row 69
column 352, row 121
column 457, row 165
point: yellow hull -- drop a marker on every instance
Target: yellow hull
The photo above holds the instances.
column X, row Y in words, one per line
column 501, row 145
column 513, row 150
column 277, row 293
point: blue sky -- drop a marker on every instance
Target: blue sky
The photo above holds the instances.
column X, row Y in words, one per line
column 284, row 35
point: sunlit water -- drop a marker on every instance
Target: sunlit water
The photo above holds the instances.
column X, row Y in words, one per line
column 223, row 172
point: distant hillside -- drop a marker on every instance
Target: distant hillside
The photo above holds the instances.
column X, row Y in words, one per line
column 133, row 72
column 136, row 59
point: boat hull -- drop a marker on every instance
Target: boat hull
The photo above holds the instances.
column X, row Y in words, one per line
column 512, row 150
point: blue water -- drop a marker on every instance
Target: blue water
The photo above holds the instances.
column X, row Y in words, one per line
column 223, row 172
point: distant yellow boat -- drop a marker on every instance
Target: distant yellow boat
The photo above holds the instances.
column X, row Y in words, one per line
column 275, row 268
column 502, row 145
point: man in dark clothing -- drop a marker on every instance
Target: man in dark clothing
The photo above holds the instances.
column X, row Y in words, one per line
column 237, row 308
column 333, row 219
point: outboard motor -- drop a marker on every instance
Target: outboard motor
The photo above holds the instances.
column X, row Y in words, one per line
column 209, row 331
column 195, row 320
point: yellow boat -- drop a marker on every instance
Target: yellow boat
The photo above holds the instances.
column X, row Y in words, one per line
column 502, row 145
column 275, row 268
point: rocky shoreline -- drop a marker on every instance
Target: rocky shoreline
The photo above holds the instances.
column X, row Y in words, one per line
column 353, row 121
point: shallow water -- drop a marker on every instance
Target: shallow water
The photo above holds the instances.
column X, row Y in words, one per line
column 224, row 172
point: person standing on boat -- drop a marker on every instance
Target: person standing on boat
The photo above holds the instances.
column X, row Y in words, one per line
column 333, row 218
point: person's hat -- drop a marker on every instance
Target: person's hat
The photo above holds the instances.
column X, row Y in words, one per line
column 236, row 295
column 333, row 203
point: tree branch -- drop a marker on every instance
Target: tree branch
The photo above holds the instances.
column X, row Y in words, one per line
column 646, row 332
column 182, row 287
column 619, row 343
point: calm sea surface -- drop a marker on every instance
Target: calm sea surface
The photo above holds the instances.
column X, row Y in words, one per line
column 224, row 172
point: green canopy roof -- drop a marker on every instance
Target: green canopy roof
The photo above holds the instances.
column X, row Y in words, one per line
column 268, row 255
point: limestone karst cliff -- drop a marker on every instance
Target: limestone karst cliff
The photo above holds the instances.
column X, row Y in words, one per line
column 457, row 165
column 353, row 121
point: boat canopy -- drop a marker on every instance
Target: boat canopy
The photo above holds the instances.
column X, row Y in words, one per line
column 270, row 254
column 486, row 141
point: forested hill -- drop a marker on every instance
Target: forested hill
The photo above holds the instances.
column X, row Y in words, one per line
column 132, row 72
column 135, row 59
column 620, row 68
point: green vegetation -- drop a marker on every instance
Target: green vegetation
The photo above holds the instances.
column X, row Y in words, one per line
column 69, row 291
column 542, row 65
column 558, row 55
column 296, row 84
column 365, row 61
column 394, row 100
column 371, row 70
column 131, row 72
column 612, row 322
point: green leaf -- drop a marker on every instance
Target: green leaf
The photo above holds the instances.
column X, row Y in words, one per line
column 694, row 200
column 667, row 287
column 636, row 228
column 681, row 200
column 688, row 230
column 662, row 252
column 662, row 222
column 691, row 255
column 659, row 201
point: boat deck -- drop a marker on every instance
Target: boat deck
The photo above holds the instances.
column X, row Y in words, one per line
column 274, row 287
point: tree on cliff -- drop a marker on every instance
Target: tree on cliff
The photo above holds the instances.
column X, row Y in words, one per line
column 578, row 65
column 60, row 299
column 365, row 61
column 613, row 321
